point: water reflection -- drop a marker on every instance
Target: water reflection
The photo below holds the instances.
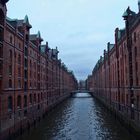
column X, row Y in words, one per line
column 79, row 119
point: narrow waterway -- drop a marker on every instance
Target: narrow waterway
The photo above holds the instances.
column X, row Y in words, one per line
column 79, row 118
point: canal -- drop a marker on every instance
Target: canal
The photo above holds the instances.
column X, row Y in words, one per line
column 79, row 118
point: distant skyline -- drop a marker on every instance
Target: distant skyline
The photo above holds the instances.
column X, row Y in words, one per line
column 79, row 28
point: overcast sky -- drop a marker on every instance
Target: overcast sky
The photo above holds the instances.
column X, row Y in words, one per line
column 80, row 28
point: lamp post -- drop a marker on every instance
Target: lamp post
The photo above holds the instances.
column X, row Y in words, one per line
column 127, row 17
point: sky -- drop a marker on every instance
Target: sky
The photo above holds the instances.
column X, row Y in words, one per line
column 79, row 28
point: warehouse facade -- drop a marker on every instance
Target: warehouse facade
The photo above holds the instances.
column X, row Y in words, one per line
column 115, row 79
column 32, row 78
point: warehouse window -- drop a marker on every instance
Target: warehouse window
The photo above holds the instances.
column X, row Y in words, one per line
column 25, row 101
column 10, row 103
column 30, row 98
column 19, row 101
column 10, row 83
column 19, row 59
column 34, row 98
column 11, row 39
column 135, row 37
column 10, row 56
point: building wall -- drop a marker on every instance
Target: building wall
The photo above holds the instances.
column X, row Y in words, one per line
column 110, row 80
column 32, row 79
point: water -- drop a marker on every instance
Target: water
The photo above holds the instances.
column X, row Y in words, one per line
column 79, row 118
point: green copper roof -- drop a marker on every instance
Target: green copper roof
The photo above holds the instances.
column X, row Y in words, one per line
column 9, row 19
column 26, row 21
column 125, row 14
column 128, row 12
column 38, row 34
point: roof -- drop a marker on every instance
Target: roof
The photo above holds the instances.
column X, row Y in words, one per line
column 26, row 21
column 33, row 36
column 111, row 46
column 121, row 32
column 4, row 1
column 18, row 22
column 128, row 12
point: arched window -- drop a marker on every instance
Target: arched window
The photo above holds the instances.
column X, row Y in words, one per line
column 30, row 68
column 19, row 83
column 27, row 37
column 10, row 69
column 30, row 64
column 19, row 101
column 135, row 37
column 135, row 52
column 41, row 95
column 10, row 56
column 34, row 98
column 19, row 71
column 10, row 83
column 25, row 101
column 30, row 98
column 19, row 59
column 38, row 98
column 11, row 39
column 10, row 103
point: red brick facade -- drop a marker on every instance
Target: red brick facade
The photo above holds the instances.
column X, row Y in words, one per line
column 32, row 78
column 116, row 77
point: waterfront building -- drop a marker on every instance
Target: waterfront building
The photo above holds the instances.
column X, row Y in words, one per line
column 115, row 78
column 32, row 78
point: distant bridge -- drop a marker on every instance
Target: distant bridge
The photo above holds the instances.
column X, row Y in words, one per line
column 73, row 94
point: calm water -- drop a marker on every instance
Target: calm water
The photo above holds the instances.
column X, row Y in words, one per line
column 78, row 119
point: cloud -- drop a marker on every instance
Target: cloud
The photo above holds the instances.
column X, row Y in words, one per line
column 80, row 28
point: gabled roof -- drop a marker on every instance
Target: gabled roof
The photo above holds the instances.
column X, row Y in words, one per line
column 128, row 12
column 36, row 36
column 17, row 22
column 26, row 21
column 111, row 46
column 33, row 36
column 121, row 32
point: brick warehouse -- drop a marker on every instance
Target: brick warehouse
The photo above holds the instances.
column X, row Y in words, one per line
column 115, row 79
column 32, row 78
